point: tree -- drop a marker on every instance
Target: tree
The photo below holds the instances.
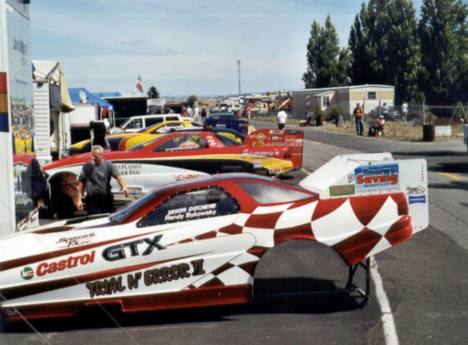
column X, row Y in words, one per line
column 191, row 100
column 313, row 49
column 328, row 57
column 343, row 67
column 402, row 59
column 384, row 46
column 444, row 51
column 357, row 45
column 324, row 57
column 153, row 92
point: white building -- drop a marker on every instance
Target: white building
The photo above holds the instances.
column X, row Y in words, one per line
column 51, row 103
column 307, row 101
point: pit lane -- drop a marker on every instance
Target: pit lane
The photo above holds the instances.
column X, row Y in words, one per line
column 300, row 298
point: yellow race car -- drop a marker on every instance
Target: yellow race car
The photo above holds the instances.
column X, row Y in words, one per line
column 124, row 141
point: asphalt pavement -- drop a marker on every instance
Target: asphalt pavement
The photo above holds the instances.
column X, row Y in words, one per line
column 299, row 289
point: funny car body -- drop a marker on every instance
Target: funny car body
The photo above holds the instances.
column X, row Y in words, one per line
column 124, row 141
column 188, row 154
column 197, row 242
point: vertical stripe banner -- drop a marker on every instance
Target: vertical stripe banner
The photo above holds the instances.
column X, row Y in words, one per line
column 4, row 127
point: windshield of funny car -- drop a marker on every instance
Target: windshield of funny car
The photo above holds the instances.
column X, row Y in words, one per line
column 142, row 145
column 122, row 214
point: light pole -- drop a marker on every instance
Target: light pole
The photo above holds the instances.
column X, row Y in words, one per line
column 239, row 74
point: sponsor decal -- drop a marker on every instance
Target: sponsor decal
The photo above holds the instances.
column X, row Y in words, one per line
column 68, row 263
column 260, row 154
column 415, row 190
column 149, row 277
column 340, row 190
column 72, row 241
column 142, row 247
column 10, row 312
column 129, row 168
column 191, row 212
column 181, row 177
column 210, row 140
column 417, row 199
column 376, row 177
column 27, row 273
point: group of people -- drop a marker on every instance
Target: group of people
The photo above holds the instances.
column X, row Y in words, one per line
column 94, row 182
column 376, row 128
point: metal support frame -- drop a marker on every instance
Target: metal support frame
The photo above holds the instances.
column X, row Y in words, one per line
column 353, row 289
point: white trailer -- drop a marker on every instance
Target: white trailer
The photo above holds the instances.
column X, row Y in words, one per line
column 15, row 100
column 51, row 105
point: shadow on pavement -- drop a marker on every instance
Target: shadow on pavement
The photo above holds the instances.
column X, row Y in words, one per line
column 430, row 153
column 450, row 185
column 272, row 296
column 459, row 167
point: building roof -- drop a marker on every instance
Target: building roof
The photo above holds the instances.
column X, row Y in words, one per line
column 90, row 97
column 351, row 87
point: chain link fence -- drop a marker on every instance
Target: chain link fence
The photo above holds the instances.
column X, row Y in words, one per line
column 418, row 114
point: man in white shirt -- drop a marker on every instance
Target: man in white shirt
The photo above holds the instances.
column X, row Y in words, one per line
column 282, row 117
column 404, row 111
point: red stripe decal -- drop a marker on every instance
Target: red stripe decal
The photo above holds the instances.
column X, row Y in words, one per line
column 50, row 255
column 66, row 282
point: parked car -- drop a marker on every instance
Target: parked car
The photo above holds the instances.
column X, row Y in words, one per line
column 124, row 141
column 137, row 123
column 227, row 120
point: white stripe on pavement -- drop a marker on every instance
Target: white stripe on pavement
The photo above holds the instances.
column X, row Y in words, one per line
column 388, row 323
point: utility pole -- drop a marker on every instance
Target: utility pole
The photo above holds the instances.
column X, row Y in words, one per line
column 239, row 74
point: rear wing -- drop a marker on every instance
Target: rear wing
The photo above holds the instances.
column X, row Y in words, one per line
column 286, row 138
column 370, row 174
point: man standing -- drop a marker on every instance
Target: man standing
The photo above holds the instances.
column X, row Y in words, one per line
column 282, row 117
column 95, row 179
column 204, row 113
column 385, row 111
column 358, row 113
column 404, row 111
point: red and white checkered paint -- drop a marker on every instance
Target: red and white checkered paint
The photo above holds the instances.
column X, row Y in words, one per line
column 230, row 247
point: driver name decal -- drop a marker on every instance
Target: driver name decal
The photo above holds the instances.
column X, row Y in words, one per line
column 191, row 212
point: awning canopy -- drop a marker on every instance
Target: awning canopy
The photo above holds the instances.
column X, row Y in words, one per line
column 51, row 72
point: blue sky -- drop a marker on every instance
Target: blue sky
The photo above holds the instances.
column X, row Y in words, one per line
column 182, row 47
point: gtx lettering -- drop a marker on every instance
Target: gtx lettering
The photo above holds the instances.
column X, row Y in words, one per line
column 120, row 251
column 71, row 262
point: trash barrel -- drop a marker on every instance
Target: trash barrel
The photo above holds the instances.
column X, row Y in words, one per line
column 319, row 120
column 428, row 132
